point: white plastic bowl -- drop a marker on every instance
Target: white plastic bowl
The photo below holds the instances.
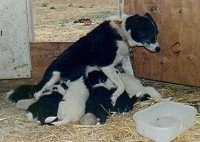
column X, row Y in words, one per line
column 164, row 121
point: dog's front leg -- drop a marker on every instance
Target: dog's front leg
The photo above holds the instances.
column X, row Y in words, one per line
column 54, row 78
column 110, row 72
column 127, row 66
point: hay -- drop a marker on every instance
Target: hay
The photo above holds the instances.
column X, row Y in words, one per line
column 119, row 128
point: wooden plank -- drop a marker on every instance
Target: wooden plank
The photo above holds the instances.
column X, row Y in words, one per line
column 179, row 38
column 42, row 54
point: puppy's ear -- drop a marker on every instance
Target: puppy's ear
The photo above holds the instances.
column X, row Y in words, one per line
column 148, row 16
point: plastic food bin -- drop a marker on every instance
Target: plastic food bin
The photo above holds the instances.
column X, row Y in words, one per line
column 164, row 121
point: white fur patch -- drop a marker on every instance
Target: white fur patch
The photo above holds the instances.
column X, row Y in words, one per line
column 110, row 72
column 73, row 105
column 25, row 103
column 29, row 116
column 152, row 47
column 50, row 119
column 55, row 77
column 9, row 93
column 134, row 87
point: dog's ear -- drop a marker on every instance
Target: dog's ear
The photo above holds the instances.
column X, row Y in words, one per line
column 147, row 15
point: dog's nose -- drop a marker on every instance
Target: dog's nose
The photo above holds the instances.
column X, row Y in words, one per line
column 157, row 49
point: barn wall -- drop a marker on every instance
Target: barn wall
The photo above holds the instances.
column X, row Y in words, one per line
column 42, row 54
column 179, row 38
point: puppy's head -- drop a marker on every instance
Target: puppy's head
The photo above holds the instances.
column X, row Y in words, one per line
column 142, row 31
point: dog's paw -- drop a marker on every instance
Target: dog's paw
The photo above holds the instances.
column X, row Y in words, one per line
column 139, row 94
column 152, row 92
column 37, row 95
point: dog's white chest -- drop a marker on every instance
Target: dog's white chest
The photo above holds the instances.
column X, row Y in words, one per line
column 122, row 52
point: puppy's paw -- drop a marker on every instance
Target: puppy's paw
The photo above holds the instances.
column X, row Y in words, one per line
column 50, row 119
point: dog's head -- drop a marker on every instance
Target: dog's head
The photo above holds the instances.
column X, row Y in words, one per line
column 142, row 31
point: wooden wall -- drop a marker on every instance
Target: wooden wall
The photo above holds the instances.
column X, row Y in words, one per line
column 42, row 54
column 179, row 37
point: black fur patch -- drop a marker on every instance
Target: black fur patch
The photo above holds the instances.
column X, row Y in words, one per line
column 99, row 102
column 143, row 28
column 22, row 92
column 97, row 48
column 46, row 106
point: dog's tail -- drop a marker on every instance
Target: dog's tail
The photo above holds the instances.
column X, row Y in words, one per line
column 21, row 93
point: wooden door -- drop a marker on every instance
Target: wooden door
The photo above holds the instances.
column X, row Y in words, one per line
column 14, row 39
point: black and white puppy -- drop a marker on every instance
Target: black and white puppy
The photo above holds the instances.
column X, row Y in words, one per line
column 61, row 103
column 104, row 47
column 72, row 106
column 45, row 109
column 101, row 88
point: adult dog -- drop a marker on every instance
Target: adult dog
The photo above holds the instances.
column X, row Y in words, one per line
column 104, row 47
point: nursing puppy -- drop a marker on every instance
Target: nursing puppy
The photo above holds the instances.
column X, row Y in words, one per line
column 104, row 47
column 60, row 104
column 45, row 109
column 72, row 106
column 101, row 88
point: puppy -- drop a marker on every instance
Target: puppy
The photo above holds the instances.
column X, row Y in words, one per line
column 101, row 89
column 104, row 47
column 72, row 106
column 45, row 109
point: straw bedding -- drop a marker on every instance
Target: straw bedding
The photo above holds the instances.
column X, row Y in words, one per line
column 119, row 128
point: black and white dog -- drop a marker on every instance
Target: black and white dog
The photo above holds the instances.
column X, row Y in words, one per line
column 104, row 47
